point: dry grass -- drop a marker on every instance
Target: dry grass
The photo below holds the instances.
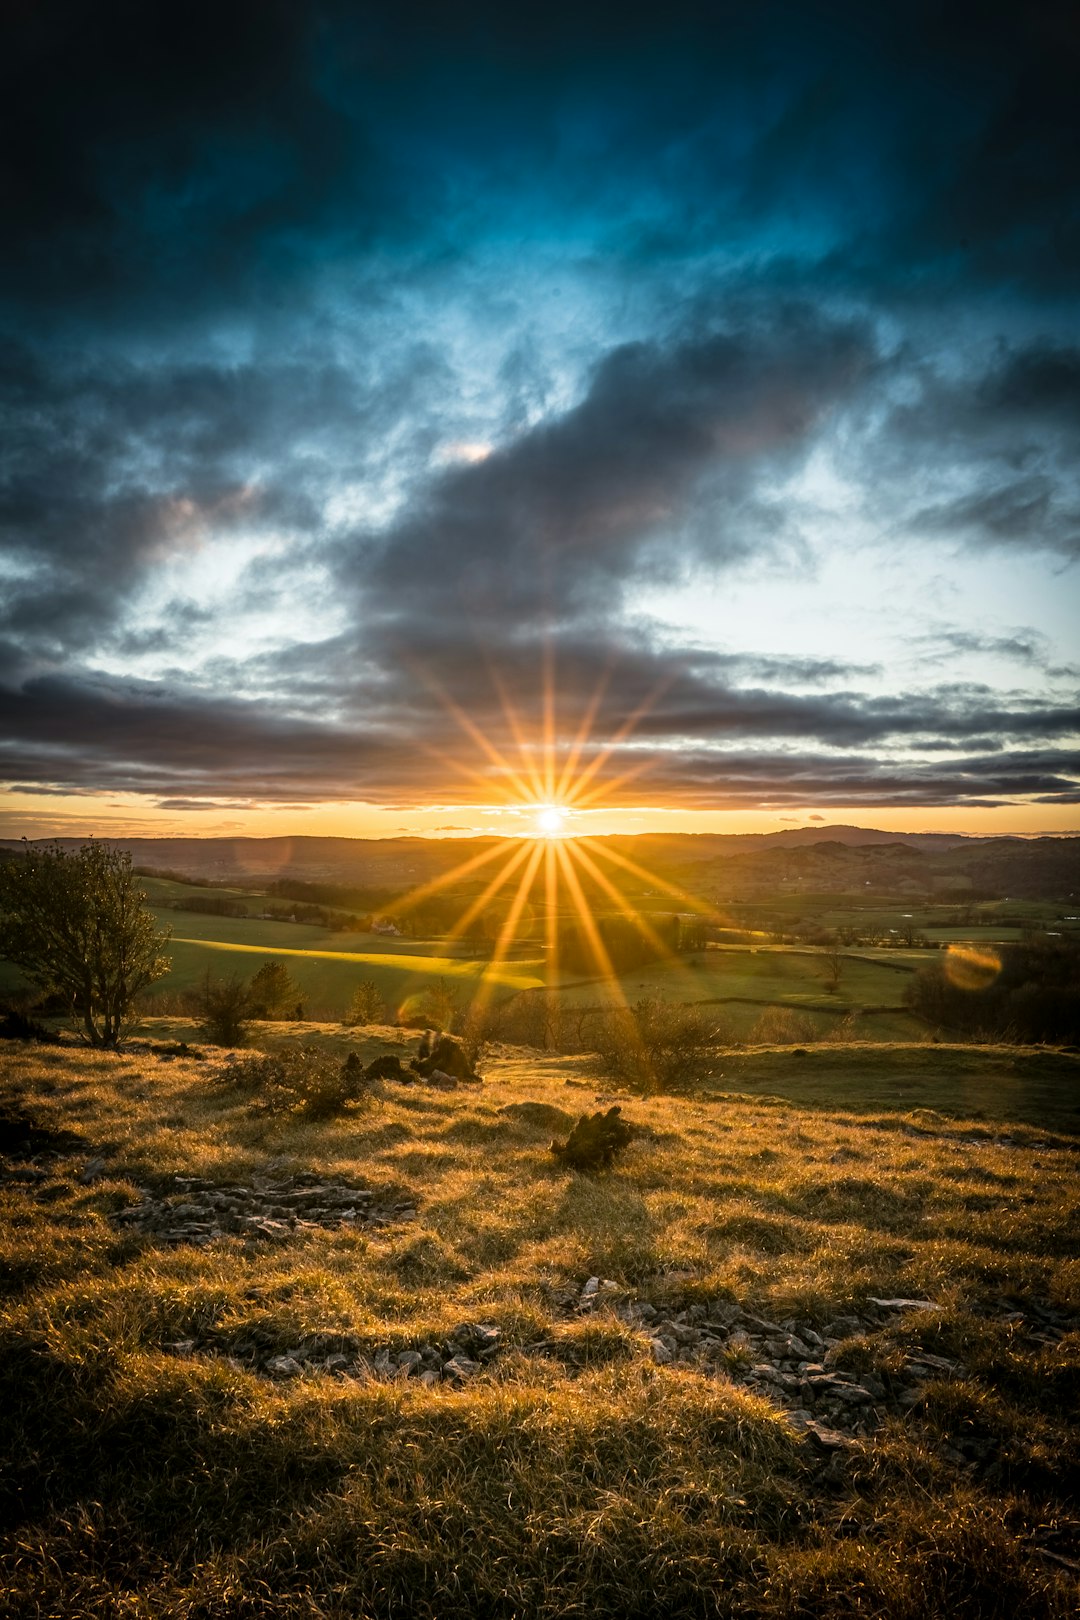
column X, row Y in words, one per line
column 145, row 1480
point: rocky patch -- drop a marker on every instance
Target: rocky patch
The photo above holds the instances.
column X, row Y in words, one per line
column 199, row 1211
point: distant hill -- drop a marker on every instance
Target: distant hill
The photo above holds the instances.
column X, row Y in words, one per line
column 799, row 859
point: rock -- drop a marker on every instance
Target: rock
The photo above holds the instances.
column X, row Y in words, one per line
column 594, row 1140
column 591, row 1287
column 386, row 1067
column 409, row 1361
column 844, row 1327
column 459, row 1368
column 544, row 1116
column 428, row 1378
column 284, row 1367
column 443, row 1056
column 660, row 1353
column 827, row 1439
column 642, row 1312
column 905, row 1304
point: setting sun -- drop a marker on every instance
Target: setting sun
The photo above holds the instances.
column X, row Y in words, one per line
column 551, row 821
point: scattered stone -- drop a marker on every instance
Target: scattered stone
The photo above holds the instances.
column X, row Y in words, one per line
column 660, row 1353
column 267, row 1210
column 905, row 1304
column 827, row 1439
column 283, row 1367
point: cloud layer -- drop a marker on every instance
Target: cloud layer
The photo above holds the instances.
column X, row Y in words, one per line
column 363, row 367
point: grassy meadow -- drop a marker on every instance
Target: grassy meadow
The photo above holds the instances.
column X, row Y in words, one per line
column 179, row 1438
column 740, row 984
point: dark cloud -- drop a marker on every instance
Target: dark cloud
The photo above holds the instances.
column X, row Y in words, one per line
column 659, row 464
column 183, row 746
column 1006, row 436
column 274, row 272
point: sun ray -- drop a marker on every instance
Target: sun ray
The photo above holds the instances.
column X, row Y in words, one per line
column 629, row 725
column 638, row 918
column 506, row 933
column 424, row 891
column 471, row 729
column 588, row 922
column 582, row 737
column 606, row 790
column 692, row 903
column 549, row 720
column 499, row 881
column 517, row 732
column 551, row 914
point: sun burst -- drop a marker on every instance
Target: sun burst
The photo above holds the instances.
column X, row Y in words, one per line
column 554, row 877
column 551, row 821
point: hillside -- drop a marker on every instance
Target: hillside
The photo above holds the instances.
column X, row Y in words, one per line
column 808, row 1347
column 732, row 867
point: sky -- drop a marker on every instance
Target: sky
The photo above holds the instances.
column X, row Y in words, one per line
column 409, row 414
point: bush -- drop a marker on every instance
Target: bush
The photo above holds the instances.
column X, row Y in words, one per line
column 658, row 1044
column 367, row 1005
column 784, row 1026
column 225, row 1005
column 1025, row 992
column 299, row 1079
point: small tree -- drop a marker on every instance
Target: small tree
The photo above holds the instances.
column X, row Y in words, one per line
column 77, row 926
column 271, row 990
column 226, row 1007
column 367, row 1005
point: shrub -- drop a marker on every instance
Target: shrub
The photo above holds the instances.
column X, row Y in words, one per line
column 299, row 1079
column 225, row 1005
column 367, row 1005
column 784, row 1026
column 658, row 1044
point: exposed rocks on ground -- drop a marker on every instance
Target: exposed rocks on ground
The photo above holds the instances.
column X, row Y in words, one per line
column 199, row 1211
column 594, row 1140
column 792, row 1363
column 443, row 1061
column 453, row 1360
column 387, row 1067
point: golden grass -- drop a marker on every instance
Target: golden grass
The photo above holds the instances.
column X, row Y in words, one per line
column 144, row 1480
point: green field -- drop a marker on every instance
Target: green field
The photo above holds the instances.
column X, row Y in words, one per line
column 744, row 981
